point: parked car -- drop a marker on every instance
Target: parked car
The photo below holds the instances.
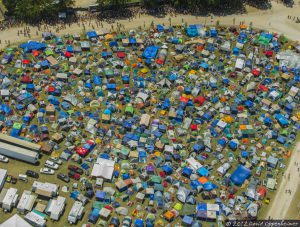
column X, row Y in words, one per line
column 3, row 159
column 11, row 179
column 63, row 177
column 75, row 169
column 51, row 164
column 23, row 177
column 47, row 171
column 32, row 174
column 74, row 175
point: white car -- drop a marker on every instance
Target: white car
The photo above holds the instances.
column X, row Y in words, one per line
column 51, row 164
column 47, row 171
column 3, row 159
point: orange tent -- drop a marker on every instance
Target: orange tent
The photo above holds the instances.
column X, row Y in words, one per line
column 202, row 180
column 169, row 215
column 243, row 127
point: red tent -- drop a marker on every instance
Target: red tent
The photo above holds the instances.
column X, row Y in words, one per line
column 194, row 127
column 26, row 79
column 68, row 54
column 240, row 108
column 183, row 99
column 262, row 191
column 256, row 72
column 26, row 61
column 263, row 88
column 51, row 89
column 121, row 54
column 160, row 62
column 200, row 100
column 35, row 53
column 269, row 53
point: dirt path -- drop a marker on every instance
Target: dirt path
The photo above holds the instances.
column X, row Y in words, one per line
column 281, row 203
column 274, row 20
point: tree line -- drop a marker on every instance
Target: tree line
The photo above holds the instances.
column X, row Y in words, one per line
column 34, row 10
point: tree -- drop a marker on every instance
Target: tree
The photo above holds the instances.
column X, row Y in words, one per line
column 112, row 3
column 32, row 10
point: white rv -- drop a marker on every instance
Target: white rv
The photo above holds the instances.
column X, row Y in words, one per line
column 76, row 212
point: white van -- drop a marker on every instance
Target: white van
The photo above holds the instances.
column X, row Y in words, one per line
column 23, row 177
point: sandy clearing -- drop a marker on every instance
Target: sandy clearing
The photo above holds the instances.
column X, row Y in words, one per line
column 84, row 3
column 281, row 202
column 274, row 20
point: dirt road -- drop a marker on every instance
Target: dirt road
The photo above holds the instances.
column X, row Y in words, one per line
column 282, row 200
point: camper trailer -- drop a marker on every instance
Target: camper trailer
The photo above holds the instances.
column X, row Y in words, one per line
column 10, row 199
column 56, row 207
column 26, row 202
column 76, row 212
column 3, row 175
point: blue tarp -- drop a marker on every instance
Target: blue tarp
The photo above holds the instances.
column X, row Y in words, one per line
column 32, row 45
column 240, row 175
column 150, row 52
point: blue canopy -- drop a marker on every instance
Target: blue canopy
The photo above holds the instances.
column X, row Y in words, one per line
column 240, row 175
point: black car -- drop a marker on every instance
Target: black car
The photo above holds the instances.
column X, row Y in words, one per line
column 63, row 177
column 32, row 174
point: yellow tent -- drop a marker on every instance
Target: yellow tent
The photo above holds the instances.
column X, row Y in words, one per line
column 144, row 70
column 108, row 37
column 229, row 119
column 178, row 206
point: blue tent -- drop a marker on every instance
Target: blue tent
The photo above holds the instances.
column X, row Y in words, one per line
column 160, row 28
column 203, row 171
column 113, row 44
column 97, row 80
column 32, row 45
column 167, row 169
column 235, row 51
column 150, row 52
column 240, row 175
column 208, row 186
column 192, row 32
column 91, row 34
column 132, row 41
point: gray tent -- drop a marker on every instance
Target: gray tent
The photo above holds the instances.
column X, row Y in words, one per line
column 122, row 211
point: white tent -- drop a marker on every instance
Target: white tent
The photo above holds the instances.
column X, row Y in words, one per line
column 15, row 221
column 103, row 168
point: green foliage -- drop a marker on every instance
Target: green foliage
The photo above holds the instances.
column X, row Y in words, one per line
column 112, row 3
column 32, row 10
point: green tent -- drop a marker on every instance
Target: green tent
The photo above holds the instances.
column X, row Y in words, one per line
column 156, row 179
column 98, row 205
column 49, row 52
column 129, row 109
